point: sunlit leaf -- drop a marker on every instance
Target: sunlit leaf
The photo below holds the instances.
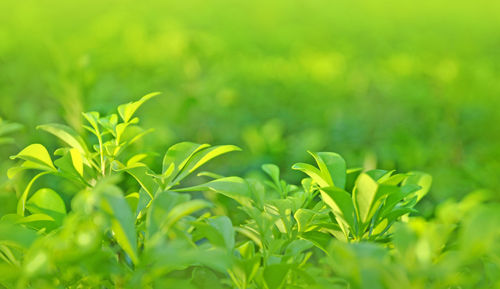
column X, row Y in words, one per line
column 127, row 110
column 66, row 134
column 36, row 153
column 232, row 187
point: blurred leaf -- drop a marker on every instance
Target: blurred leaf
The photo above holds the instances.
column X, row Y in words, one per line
column 123, row 221
column 12, row 234
column 421, row 179
column 218, row 230
column 47, row 201
column 274, row 275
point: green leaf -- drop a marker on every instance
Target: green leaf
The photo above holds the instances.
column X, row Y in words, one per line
column 312, row 172
column 38, row 154
column 233, row 187
column 201, row 157
column 177, row 157
column 182, row 210
column 244, row 270
column 167, row 208
column 122, row 222
column 380, row 227
column 421, row 179
column 76, row 159
column 38, row 221
column 126, row 111
column 275, row 275
column 67, row 135
column 161, row 205
column 304, row 218
column 132, row 201
column 378, row 174
column 273, row 171
column 332, row 167
column 21, row 204
column 364, row 195
column 352, row 176
column 205, row 278
column 13, row 234
column 342, row 207
column 47, row 201
column 319, row 239
column 218, row 230
column 144, row 176
column 93, row 119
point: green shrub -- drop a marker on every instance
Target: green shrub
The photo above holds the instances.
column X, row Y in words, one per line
column 108, row 220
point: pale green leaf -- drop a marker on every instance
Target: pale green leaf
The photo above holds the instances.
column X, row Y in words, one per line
column 66, row 134
column 36, row 153
column 312, row 172
column 364, row 195
column 233, row 187
column 47, row 201
column 127, row 110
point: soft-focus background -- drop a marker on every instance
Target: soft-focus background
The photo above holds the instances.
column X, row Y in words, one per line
column 396, row 84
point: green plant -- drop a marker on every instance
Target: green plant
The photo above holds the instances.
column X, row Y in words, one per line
column 125, row 231
column 365, row 204
column 99, row 216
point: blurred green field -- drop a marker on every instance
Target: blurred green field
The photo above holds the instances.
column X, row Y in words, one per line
column 396, row 84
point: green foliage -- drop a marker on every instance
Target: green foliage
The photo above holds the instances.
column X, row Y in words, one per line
column 376, row 199
column 109, row 220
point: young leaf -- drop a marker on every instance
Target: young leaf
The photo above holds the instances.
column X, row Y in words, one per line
column 144, row 176
column 66, row 134
column 200, row 157
column 332, row 167
column 47, row 201
column 76, row 159
column 176, row 158
column 38, row 154
column 421, row 179
column 21, row 203
column 312, row 172
column 127, row 110
column 273, row 171
column 93, row 119
column 342, row 207
column 319, row 239
column 351, row 177
column 233, row 187
column 364, row 195
column 122, row 222
column 304, row 218
column 218, row 230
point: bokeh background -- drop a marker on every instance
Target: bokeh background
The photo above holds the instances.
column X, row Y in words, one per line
column 393, row 84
